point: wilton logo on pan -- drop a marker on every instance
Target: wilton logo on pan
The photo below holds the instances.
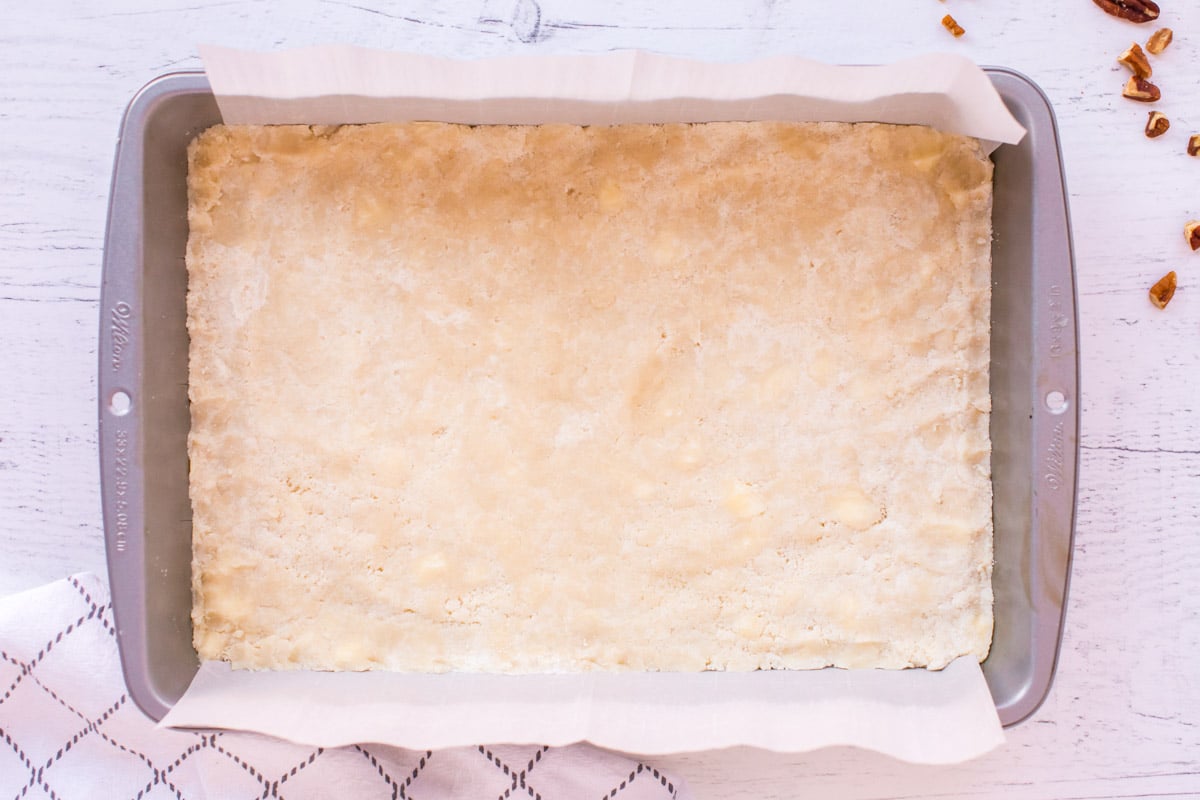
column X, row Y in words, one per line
column 119, row 326
column 1055, row 457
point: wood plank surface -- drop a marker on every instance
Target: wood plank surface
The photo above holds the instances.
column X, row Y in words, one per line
column 1123, row 719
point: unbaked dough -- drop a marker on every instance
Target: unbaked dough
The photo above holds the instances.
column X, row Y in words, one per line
column 560, row 398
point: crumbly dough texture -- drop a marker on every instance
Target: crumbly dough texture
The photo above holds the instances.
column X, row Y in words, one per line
column 559, row 398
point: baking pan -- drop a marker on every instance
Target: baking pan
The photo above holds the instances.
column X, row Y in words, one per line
column 144, row 418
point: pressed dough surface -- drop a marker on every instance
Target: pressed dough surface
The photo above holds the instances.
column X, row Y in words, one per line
column 525, row 399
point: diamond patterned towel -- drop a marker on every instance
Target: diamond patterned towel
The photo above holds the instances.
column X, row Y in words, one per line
column 69, row 730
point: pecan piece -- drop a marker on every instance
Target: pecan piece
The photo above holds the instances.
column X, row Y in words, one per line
column 1159, row 40
column 1136, row 60
column 1194, row 145
column 1191, row 232
column 1162, row 292
column 1142, row 90
column 951, row 24
column 1157, row 124
column 1133, row 10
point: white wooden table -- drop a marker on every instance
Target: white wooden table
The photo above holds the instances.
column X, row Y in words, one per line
column 1123, row 719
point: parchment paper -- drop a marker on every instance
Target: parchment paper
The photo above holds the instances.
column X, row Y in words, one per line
column 916, row 715
column 341, row 85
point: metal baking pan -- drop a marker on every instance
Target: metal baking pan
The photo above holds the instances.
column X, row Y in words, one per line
column 144, row 418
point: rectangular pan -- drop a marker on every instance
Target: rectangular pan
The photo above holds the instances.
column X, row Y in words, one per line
column 144, row 418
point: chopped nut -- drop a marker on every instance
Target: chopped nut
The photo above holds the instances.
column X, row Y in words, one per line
column 1162, row 292
column 1133, row 10
column 949, row 23
column 1194, row 145
column 1136, row 60
column 1142, row 90
column 1157, row 125
column 1191, row 232
column 1159, row 40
